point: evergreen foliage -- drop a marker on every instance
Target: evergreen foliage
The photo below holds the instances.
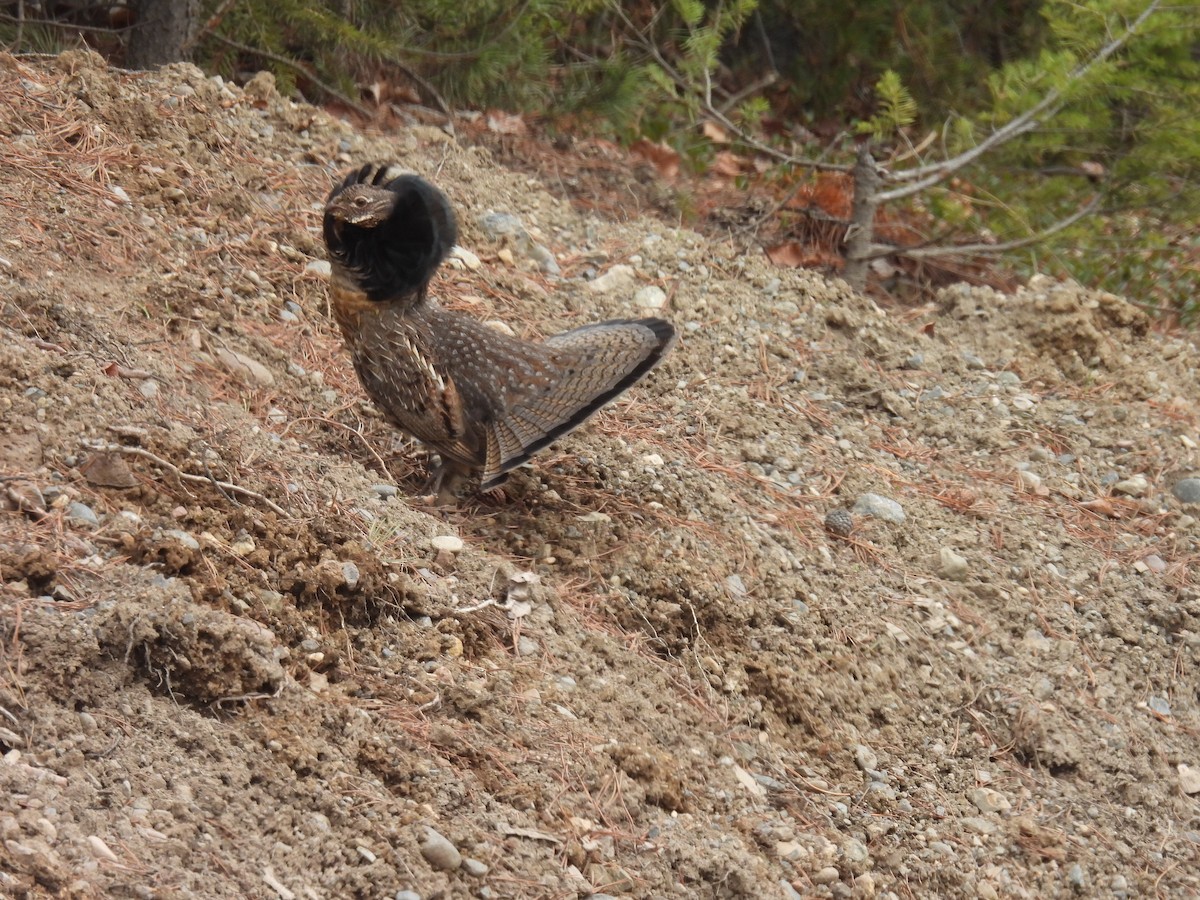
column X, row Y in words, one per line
column 1127, row 132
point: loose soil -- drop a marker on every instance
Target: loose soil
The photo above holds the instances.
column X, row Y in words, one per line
column 232, row 664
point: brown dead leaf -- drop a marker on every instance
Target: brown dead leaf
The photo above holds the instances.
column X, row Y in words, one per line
column 505, row 123
column 789, row 254
column 727, row 164
column 1102, row 507
column 662, row 157
column 715, row 133
column 116, row 370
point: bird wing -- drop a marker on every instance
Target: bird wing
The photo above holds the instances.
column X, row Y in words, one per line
column 416, row 394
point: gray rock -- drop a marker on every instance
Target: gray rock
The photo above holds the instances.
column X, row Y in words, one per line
column 952, row 566
column 474, row 867
column 978, row 825
column 1137, row 486
column 865, row 758
column 650, row 297
column 1075, row 877
column 439, row 852
column 183, row 538
column 544, row 260
column 880, row 507
column 1187, row 490
column 385, row 491
column 827, row 875
column 498, row 225
column 82, row 514
column 407, row 895
column 1159, row 705
column 855, row 851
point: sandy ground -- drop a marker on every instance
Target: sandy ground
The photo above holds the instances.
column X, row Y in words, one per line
column 234, row 661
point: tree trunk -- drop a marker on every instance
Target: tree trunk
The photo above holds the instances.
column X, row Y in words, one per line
column 860, row 236
column 163, row 32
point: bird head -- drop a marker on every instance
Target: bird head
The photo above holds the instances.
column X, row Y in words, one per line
column 362, row 205
column 388, row 231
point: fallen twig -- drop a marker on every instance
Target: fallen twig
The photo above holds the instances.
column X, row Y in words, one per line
column 223, row 486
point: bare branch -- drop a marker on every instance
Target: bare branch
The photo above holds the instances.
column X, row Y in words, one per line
column 1084, row 211
column 924, row 177
column 712, row 112
column 222, row 486
column 928, row 251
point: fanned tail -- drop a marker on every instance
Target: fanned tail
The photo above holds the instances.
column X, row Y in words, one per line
column 596, row 364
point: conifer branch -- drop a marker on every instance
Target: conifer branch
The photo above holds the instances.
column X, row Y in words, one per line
column 924, row 177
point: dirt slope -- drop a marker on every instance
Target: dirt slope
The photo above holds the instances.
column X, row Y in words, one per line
column 232, row 664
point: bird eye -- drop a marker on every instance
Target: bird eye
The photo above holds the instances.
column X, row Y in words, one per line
column 360, row 201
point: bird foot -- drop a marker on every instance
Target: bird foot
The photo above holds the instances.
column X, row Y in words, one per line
column 445, row 485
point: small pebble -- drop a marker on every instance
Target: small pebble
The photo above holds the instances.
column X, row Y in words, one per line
column 617, row 278
column 1075, row 877
column 245, row 367
column 1189, row 778
column 350, row 574
column 474, row 867
column 1187, row 490
column 439, row 852
column 467, row 258
column 880, row 507
column 182, row 537
column 407, row 895
column 865, row 758
column 987, row 800
column 385, row 491
column 1159, row 705
column 953, row 566
column 976, row 824
column 1137, row 486
column 448, row 543
column 650, row 297
column 100, row 849
column 82, row 514
column 827, row 875
column 1029, row 481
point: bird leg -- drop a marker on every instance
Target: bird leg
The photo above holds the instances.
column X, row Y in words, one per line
column 446, row 481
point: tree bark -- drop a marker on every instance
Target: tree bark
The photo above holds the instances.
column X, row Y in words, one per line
column 163, row 32
column 860, row 236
